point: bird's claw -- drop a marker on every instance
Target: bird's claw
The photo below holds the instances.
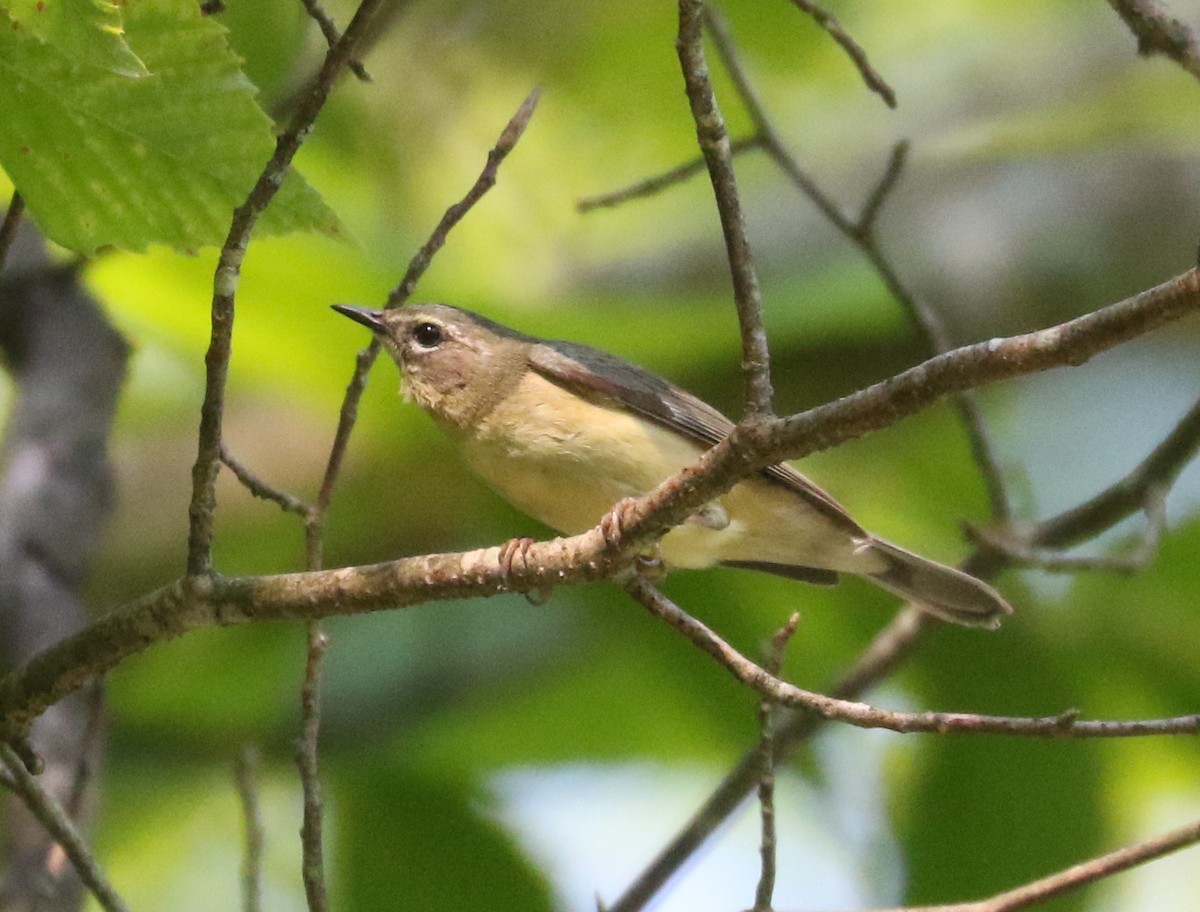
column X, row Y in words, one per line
column 510, row 551
column 650, row 567
column 613, row 523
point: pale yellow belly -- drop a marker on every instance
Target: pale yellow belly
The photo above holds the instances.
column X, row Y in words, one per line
column 565, row 462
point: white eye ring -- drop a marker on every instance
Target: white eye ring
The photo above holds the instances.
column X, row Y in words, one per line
column 427, row 335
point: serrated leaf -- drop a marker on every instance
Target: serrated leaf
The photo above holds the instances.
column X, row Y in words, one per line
column 88, row 31
column 104, row 160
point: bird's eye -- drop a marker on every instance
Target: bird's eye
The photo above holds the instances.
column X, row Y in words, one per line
column 427, row 335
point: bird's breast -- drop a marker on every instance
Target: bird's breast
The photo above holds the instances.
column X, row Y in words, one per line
column 566, row 460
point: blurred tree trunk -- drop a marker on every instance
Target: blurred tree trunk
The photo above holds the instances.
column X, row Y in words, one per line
column 67, row 365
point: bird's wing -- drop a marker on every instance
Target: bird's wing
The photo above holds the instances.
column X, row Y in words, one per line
column 600, row 376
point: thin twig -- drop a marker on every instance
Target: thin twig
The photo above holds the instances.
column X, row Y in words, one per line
column 225, row 282
column 487, row 178
column 1074, row 877
column 59, row 825
column 1160, row 33
column 289, row 503
column 861, row 233
column 864, row 225
column 870, row 76
column 1126, row 497
column 314, row 517
column 348, row 413
column 313, row 866
column 713, row 140
column 245, row 776
column 766, row 780
column 8, row 230
column 1019, row 553
column 1064, row 725
column 330, row 31
column 659, row 182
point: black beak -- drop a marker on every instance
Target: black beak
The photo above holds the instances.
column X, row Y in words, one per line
column 371, row 319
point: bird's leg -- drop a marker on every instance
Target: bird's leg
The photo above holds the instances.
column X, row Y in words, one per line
column 612, row 526
column 712, row 516
column 509, row 551
column 613, row 523
column 651, row 567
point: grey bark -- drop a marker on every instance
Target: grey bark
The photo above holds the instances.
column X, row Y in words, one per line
column 56, row 489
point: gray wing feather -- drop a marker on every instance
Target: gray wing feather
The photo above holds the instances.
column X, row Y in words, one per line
column 597, row 374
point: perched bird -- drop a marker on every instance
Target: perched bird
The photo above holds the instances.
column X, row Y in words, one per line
column 565, row 431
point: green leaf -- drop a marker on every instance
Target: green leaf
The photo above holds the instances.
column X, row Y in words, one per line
column 420, row 841
column 106, row 160
column 87, row 31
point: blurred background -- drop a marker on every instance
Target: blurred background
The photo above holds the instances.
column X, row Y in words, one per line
column 504, row 755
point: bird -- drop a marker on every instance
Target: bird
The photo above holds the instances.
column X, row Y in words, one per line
column 565, row 431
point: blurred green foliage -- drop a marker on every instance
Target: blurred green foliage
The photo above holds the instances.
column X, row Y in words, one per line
column 1052, row 171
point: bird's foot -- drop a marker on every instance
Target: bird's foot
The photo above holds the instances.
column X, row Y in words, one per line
column 613, row 523
column 650, row 567
column 711, row 516
column 509, row 552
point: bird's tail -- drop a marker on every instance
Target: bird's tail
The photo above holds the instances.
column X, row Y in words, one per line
column 948, row 593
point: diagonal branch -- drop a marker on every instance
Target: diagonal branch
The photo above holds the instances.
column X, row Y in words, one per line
column 1129, row 495
column 1076, row 876
column 892, row 646
column 59, row 825
column 348, row 414
column 853, row 49
column 1064, row 725
column 1159, row 33
column 509, row 137
column 331, row 34
column 208, row 601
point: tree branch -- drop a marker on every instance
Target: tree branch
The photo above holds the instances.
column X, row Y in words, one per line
column 289, row 503
column 861, row 715
column 768, row 849
column 348, row 414
column 245, row 775
column 1159, row 33
column 718, row 156
column 330, row 31
column 829, row 22
column 509, row 137
column 861, row 233
column 211, row 601
column 1074, row 877
column 312, row 839
column 892, row 646
column 58, row 824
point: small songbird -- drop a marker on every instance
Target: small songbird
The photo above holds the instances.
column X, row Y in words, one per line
column 565, row 431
